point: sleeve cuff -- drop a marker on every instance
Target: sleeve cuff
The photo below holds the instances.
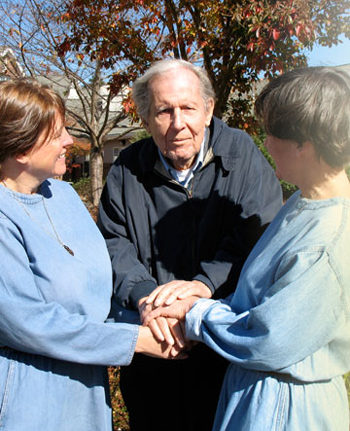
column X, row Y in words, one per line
column 140, row 290
column 206, row 281
column 194, row 319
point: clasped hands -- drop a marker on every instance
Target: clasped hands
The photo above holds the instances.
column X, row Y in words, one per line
column 163, row 314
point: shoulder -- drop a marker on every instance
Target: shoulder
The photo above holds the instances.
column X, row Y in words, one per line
column 135, row 160
column 237, row 151
column 319, row 225
column 144, row 149
column 228, row 141
column 61, row 193
column 59, row 187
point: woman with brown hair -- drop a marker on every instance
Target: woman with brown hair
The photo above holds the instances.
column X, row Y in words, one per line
column 55, row 279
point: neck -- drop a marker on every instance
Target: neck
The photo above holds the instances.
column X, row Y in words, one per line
column 19, row 187
column 18, row 178
column 330, row 184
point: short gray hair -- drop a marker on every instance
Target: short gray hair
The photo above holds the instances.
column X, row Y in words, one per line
column 310, row 104
column 140, row 88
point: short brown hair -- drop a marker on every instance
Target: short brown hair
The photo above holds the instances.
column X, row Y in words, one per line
column 310, row 104
column 28, row 111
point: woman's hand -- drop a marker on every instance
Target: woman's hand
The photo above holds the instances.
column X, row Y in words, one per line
column 177, row 310
column 167, row 293
column 149, row 345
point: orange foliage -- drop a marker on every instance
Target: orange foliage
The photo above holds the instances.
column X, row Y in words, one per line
column 235, row 41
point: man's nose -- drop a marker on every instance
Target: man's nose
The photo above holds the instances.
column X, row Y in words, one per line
column 177, row 120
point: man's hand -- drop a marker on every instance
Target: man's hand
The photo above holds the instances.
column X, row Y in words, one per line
column 169, row 328
column 167, row 293
column 177, row 310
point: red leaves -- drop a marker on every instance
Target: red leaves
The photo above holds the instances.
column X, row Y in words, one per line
column 298, row 29
column 276, row 34
column 254, row 35
column 250, row 46
column 64, row 47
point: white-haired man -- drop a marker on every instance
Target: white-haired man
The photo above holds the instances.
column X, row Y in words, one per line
column 180, row 212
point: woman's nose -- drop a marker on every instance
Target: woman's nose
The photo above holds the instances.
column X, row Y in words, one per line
column 67, row 138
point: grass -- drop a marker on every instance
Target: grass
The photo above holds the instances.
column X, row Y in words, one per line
column 120, row 412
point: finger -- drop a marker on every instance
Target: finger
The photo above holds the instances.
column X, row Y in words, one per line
column 158, row 312
column 168, row 290
column 151, row 297
column 175, row 353
column 196, row 289
column 146, row 310
column 159, row 295
column 180, row 293
column 157, row 333
column 163, row 295
column 164, row 327
column 177, row 333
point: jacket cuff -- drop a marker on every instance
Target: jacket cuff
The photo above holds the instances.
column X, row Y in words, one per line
column 206, row 281
column 140, row 290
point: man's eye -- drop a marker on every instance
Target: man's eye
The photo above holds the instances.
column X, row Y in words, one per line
column 163, row 111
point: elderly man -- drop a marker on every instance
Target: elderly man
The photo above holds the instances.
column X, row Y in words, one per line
column 180, row 212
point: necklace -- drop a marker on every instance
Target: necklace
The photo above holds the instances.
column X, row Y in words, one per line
column 70, row 251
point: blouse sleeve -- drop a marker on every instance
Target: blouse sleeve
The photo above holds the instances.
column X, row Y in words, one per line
column 32, row 325
column 301, row 312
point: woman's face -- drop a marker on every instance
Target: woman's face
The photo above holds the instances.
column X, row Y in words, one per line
column 284, row 154
column 48, row 159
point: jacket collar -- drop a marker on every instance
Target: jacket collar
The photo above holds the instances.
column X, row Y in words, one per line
column 219, row 131
column 228, row 153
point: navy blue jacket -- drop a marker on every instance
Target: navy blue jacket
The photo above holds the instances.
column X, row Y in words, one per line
column 157, row 231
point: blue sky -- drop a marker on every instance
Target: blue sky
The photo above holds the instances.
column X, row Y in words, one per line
column 335, row 56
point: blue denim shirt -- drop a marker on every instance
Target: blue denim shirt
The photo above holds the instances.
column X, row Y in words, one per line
column 53, row 308
column 286, row 330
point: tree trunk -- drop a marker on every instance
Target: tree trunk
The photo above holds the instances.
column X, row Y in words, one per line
column 96, row 174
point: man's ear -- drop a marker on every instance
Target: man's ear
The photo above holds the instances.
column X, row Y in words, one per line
column 209, row 111
column 145, row 124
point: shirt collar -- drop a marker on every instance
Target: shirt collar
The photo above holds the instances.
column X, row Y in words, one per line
column 184, row 177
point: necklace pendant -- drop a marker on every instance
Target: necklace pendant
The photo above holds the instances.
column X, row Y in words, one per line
column 70, row 251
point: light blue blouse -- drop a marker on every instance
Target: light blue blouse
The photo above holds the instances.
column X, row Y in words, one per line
column 53, row 308
column 286, row 330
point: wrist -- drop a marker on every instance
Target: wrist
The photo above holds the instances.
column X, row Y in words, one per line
column 141, row 343
column 205, row 290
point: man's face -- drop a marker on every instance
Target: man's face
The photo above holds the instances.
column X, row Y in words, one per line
column 178, row 116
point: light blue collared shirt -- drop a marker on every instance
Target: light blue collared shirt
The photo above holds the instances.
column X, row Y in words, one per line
column 184, row 177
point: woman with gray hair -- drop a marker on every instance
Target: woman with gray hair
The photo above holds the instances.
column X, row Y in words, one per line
column 286, row 328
